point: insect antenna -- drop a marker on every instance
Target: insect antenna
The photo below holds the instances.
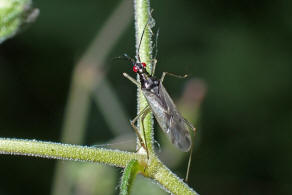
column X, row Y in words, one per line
column 125, row 57
column 156, row 44
column 138, row 50
column 154, row 60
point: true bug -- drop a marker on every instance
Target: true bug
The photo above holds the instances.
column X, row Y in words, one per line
column 161, row 104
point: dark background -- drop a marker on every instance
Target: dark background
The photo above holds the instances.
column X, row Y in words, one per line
column 241, row 49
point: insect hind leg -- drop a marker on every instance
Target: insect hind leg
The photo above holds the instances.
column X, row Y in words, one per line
column 189, row 165
column 143, row 143
column 191, row 151
column 190, row 125
column 171, row 74
column 146, row 111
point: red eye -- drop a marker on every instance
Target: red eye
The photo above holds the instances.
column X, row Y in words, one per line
column 135, row 69
column 144, row 64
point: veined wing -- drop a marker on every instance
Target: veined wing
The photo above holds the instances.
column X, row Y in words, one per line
column 168, row 117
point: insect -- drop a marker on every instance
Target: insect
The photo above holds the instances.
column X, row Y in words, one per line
column 160, row 103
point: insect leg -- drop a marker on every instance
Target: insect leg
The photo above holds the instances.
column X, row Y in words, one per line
column 190, row 125
column 142, row 120
column 132, row 79
column 171, row 74
column 189, row 165
column 191, row 152
column 145, row 110
column 137, row 131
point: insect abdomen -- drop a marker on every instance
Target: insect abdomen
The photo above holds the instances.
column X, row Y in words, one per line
column 168, row 118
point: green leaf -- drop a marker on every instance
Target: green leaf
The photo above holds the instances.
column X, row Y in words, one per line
column 13, row 15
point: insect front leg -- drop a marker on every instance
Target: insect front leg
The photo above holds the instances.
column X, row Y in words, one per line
column 132, row 79
column 171, row 74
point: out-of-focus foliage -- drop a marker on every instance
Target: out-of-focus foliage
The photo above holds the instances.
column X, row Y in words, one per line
column 13, row 14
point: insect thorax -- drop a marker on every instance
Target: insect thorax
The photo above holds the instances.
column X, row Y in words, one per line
column 149, row 83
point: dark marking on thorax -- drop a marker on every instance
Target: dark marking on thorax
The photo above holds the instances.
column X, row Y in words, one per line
column 149, row 83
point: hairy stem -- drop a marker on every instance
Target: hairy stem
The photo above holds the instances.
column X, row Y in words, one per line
column 168, row 180
column 142, row 15
column 67, row 152
column 155, row 168
column 129, row 175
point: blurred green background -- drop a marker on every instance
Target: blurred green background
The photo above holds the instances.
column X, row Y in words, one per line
column 240, row 49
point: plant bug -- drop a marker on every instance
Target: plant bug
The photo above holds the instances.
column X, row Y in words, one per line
column 161, row 105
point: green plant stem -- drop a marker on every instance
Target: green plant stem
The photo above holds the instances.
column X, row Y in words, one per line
column 168, row 180
column 142, row 11
column 67, row 152
column 129, row 175
column 155, row 168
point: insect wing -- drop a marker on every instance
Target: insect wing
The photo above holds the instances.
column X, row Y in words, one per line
column 168, row 117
